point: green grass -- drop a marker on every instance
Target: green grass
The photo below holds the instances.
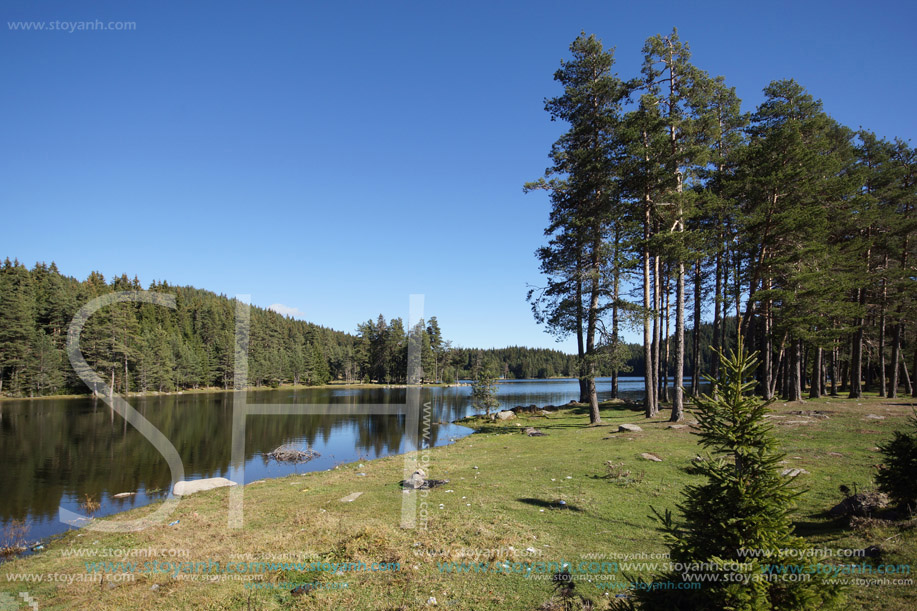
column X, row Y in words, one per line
column 507, row 504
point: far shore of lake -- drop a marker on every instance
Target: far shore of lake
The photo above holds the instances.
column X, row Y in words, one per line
column 218, row 389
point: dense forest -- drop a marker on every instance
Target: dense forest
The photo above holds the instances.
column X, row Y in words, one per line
column 794, row 230
column 144, row 347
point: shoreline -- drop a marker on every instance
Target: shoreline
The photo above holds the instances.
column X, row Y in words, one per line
column 200, row 391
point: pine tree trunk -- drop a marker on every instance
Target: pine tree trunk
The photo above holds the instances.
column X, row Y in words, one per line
column 695, row 343
column 815, row 382
column 678, row 407
column 657, row 323
column 907, row 377
column 882, row 367
column 896, row 351
column 795, row 377
column 867, row 384
column 717, row 323
column 914, row 387
column 649, row 378
column 616, row 286
column 580, row 345
column 845, row 373
column 649, row 382
column 856, row 354
column 591, row 325
column 779, row 369
column 768, row 351
column 834, row 370
column 664, row 326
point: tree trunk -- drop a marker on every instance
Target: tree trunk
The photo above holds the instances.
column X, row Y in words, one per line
column 657, row 323
column 914, row 386
column 717, row 323
column 907, row 377
column 649, row 382
column 882, row 367
column 615, row 291
column 768, row 351
column 856, row 353
column 815, row 382
column 695, row 343
column 580, row 345
column 664, row 326
column 834, row 370
column 678, row 407
column 795, row 377
column 591, row 323
column 779, row 369
column 896, row 352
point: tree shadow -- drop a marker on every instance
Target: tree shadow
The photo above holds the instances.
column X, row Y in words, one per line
column 550, row 504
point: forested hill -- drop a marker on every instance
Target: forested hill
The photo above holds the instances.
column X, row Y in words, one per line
column 146, row 347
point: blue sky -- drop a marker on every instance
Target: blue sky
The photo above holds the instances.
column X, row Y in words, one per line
column 337, row 157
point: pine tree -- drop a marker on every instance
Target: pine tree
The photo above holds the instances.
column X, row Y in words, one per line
column 744, row 504
column 584, row 193
column 484, row 385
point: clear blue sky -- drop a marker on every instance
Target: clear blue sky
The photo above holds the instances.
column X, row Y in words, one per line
column 337, row 157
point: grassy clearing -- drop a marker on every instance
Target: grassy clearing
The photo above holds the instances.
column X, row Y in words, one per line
column 502, row 500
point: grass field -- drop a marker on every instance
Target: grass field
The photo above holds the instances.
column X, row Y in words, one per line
column 502, row 504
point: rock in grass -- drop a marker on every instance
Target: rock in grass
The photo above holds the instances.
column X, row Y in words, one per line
column 677, row 426
column 793, row 472
column 533, row 432
column 506, row 415
column 860, row 504
column 629, row 428
column 350, row 498
column 651, row 456
column 418, row 478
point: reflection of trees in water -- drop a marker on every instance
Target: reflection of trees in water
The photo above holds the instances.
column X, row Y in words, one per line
column 51, row 449
column 55, row 448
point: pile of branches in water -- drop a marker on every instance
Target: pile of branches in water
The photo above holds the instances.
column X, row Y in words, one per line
column 293, row 454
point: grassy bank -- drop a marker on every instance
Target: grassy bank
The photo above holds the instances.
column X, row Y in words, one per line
column 501, row 504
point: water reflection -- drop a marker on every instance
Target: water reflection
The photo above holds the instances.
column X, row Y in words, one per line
column 55, row 452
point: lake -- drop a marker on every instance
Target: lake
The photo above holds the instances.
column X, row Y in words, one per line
column 55, row 452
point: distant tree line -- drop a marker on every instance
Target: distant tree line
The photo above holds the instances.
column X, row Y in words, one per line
column 141, row 347
column 794, row 230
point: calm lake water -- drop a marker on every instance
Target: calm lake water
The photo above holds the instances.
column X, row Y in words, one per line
column 54, row 452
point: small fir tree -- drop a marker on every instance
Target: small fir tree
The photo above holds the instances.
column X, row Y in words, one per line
column 744, row 504
column 484, row 388
column 897, row 476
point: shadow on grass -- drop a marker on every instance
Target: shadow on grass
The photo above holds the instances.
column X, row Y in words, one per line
column 542, row 424
column 822, row 525
column 550, row 504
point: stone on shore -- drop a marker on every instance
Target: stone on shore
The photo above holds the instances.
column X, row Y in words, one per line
column 184, row 488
